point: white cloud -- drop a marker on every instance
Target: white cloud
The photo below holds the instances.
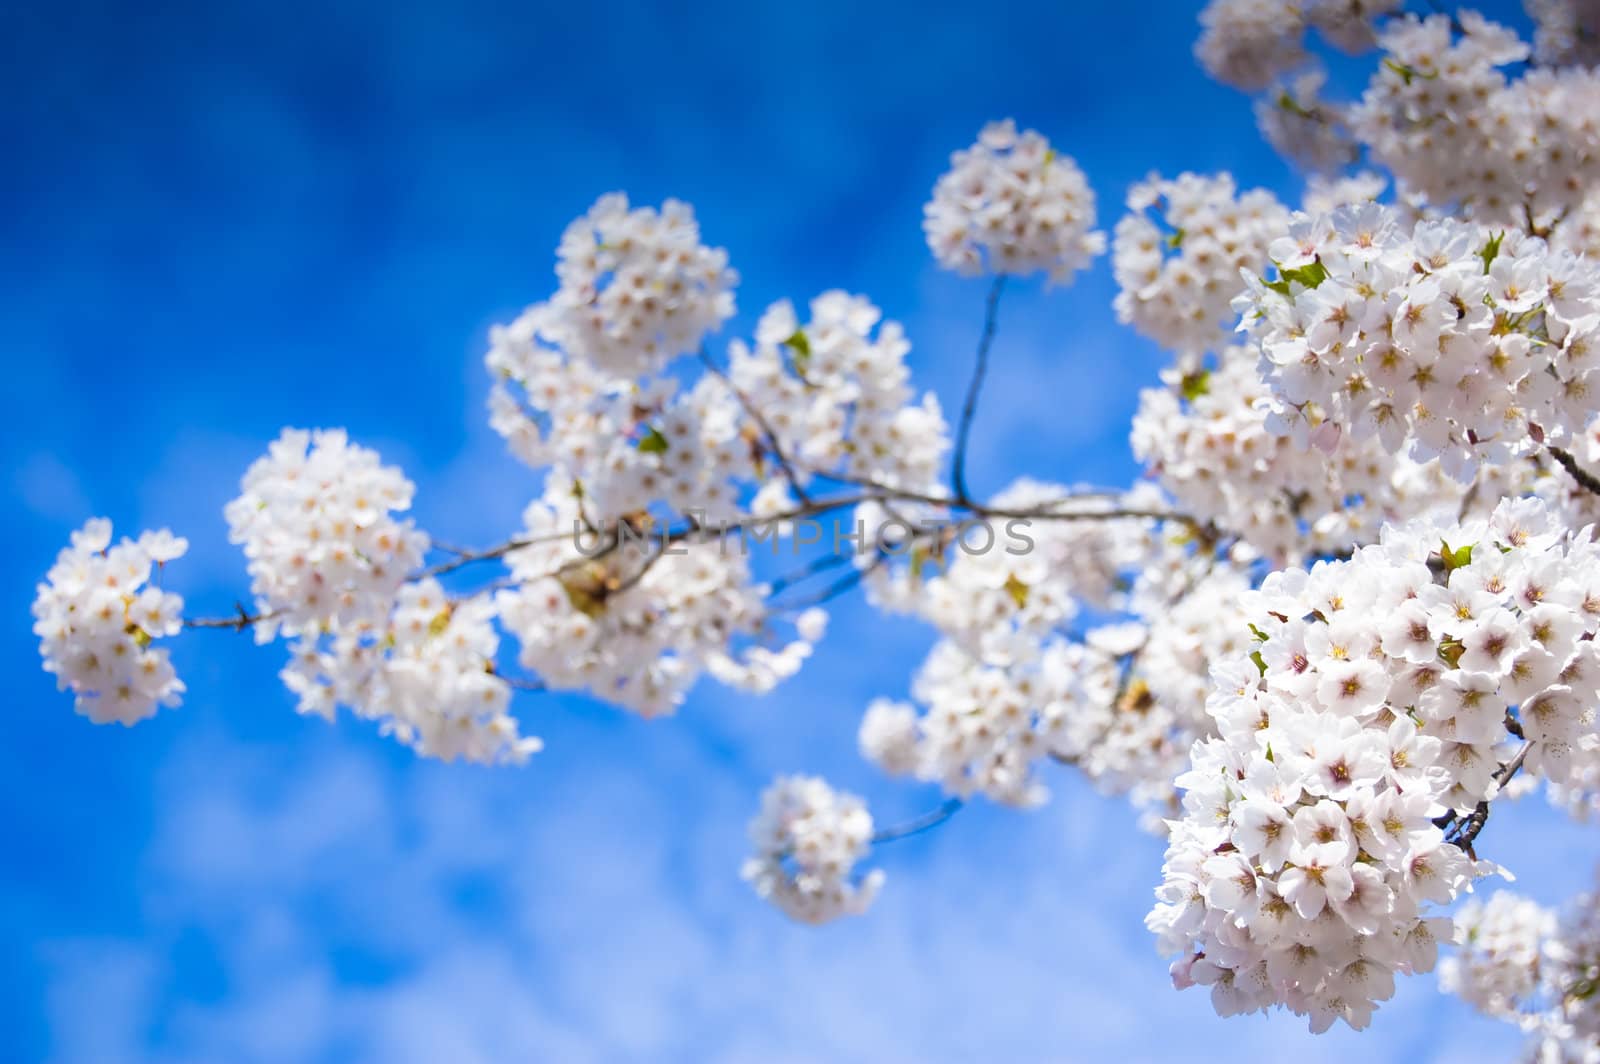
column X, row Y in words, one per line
column 351, row 910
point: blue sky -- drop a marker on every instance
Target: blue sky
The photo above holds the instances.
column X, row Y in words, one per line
column 222, row 219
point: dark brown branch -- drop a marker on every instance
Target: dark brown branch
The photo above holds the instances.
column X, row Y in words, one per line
column 1461, row 832
column 1586, row 480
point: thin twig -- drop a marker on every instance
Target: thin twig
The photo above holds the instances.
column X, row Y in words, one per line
column 837, row 588
column 241, row 620
column 1586, row 480
column 750, row 408
column 969, row 408
column 1468, row 828
column 523, row 683
column 464, row 557
column 812, row 568
column 925, row 822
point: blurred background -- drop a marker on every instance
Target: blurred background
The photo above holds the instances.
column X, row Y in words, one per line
column 220, row 219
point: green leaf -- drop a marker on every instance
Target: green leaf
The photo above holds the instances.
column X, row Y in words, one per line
column 1408, row 73
column 1176, row 239
column 1454, row 559
column 653, row 442
column 800, row 344
column 1261, row 662
column 1017, row 590
column 1290, row 104
column 440, row 622
column 1261, row 637
column 1491, row 250
column 1308, row 276
column 1195, row 384
column 1450, row 651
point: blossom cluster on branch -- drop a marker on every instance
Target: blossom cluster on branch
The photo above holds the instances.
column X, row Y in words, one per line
column 1387, row 695
column 1349, row 610
column 1533, row 967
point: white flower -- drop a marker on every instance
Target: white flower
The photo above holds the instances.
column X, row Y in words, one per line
column 888, row 736
column 638, row 624
column 1329, row 739
column 808, row 839
column 1468, row 386
column 315, row 519
column 1011, row 205
column 637, row 286
column 425, row 674
column 1178, row 255
column 96, row 618
column 1247, row 43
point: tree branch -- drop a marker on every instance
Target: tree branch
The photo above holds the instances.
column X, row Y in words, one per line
column 784, row 465
column 925, row 822
column 969, row 408
column 241, row 620
column 1467, row 829
column 1586, row 480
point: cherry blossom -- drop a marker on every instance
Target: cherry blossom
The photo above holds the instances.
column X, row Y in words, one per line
column 96, row 616
column 1011, row 205
column 1445, row 338
column 315, row 518
column 808, row 839
column 1177, row 256
column 1372, row 748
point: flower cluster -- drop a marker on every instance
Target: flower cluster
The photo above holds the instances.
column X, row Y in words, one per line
column 426, row 674
column 1303, row 127
column 1567, row 33
column 1249, row 43
column 1204, row 436
column 1000, row 586
column 634, row 615
column 1378, row 699
column 1570, row 1029
column 1440, row 114
column 96, row 616
column 808, row 839
column 985, row 726
column 835, row 393
column 1501, row 943
column 1465, row 344
column 1530, row 966
column 315, row 517
column 831, row 395
column 1178, row 255
column 637, row 288
column 629, row 444
column 1011, row 205
column 1006, row 689
column 1142, row 684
